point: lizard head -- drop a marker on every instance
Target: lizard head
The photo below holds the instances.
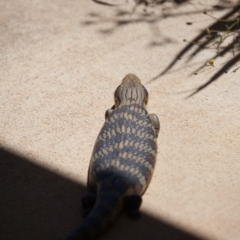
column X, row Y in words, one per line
column 131, row 91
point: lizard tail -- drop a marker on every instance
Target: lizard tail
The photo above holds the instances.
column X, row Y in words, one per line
column 107, row 208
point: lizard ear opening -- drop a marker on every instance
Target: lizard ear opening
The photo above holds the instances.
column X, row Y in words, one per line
column 116, row 101
column 146, row 96
column 116, row 97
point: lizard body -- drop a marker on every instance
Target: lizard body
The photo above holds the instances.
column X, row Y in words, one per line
column 122, row 161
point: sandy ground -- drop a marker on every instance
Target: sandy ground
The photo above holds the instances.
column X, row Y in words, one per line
column 60, row 64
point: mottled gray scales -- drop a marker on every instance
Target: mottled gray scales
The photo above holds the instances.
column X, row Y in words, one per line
column 122, row 161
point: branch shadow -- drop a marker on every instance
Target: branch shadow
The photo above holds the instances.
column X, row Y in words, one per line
column 201, row 41
column 37, row 203
column 147, row 14
column 206, row 41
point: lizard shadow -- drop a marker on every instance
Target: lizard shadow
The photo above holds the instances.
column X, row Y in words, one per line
column 37, row 203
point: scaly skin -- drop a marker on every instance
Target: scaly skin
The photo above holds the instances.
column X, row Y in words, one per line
column 122, row 161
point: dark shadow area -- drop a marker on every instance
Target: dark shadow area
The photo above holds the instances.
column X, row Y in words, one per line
column 39, row 204
column 35, row 203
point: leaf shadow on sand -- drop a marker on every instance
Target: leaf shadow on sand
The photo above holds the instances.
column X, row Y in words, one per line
column 202, row 40
column 206, row 41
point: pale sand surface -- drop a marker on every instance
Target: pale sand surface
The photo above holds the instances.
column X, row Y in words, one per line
column 60, row 64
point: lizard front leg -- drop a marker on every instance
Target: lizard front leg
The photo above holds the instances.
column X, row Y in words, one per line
column 155, row 123
column 109, row 111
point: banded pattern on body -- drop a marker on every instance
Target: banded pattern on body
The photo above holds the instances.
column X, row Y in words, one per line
column 126, row 146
